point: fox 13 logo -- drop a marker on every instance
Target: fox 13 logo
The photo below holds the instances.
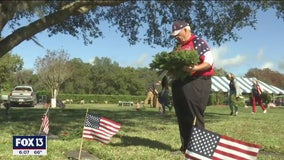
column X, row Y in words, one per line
column 29, row 145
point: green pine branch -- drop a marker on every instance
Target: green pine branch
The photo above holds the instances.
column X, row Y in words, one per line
column 174, row 62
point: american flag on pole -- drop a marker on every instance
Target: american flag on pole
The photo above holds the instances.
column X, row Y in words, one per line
column 100, row 128
column 45, row 123
column 207, row 145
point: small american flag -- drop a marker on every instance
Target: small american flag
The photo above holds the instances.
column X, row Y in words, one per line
column 45, row 123
column 207, row 145
column 100, row 128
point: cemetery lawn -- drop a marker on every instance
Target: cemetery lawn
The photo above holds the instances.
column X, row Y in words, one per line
column 145, row 134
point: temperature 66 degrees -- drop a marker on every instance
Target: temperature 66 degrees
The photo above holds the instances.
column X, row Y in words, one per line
column 37, row 152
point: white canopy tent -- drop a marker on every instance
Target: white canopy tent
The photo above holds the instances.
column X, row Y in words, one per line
column 222, row 84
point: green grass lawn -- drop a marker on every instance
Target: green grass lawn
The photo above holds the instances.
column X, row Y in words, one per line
column 144, row 135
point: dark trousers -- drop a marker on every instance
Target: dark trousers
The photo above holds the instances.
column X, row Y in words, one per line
column 190, row 98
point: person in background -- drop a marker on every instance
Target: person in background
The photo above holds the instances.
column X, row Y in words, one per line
column 155, row 90
column 152, row 95
column 137, row 105
column 191, row 94
column 149, row 97
column 164, row 95
column 256, row 97
column 234, row 94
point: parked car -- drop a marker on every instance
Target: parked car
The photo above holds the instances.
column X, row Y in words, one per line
column 23, row 95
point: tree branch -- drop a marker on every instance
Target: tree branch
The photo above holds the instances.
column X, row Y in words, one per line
column 26, row 32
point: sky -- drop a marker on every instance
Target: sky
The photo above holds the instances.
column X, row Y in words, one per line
column 260, row 48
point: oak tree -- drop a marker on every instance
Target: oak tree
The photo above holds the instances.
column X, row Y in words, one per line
column 146, row 21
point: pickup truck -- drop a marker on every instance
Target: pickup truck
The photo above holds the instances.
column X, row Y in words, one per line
column 23, row 95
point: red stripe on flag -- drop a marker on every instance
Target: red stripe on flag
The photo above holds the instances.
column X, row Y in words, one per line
column 96, row 132
column 216, row 158
column 238, row 149
column 187, row 156
column 111, row 122
column 228, row 155
column 108, row 128
column 240, row 142
column 45, row 123
column 86, row 135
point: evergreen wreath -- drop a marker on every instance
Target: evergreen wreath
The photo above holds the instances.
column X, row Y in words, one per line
column 174, row 62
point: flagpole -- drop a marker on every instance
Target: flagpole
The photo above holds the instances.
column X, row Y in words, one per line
column 81, row 146
column 194, row 121
column 39, row 132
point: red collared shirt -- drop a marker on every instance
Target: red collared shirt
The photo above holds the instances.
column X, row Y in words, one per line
column 205, row 55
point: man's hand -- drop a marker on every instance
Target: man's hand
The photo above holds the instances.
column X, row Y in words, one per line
column 189, row 69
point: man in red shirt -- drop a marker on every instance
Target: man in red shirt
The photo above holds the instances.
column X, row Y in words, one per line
column 190, row 95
